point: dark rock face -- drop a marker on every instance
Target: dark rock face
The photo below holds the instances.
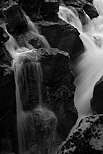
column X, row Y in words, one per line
column 15, row 21
column 87, row 137
column 62, row 36
column 49, row 9
column 97, row 100
column 78, row 3
column 90, row 10
column 58, row 80
column 8, row 133
column 40, row 9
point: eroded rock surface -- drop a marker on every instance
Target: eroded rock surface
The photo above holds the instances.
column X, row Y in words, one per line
column 87, row 137
column 62, row 36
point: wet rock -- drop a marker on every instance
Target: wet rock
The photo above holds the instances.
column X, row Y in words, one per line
column 44, row 126
column 32, row 8
column 49, row 9
column 90, row 1
column 23, row 29
column 90, row 10
column 97, row 100
column 31, row 40
column 62, row 36
column 40, row 9
column 57, row 88
column 76, row 3
column 58, row 80
column 8, row 131
column 4, row 37
column 59, row 34
column 15, row 21
column 87, row 137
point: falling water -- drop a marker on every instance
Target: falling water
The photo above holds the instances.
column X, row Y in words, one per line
column 39, row 81
column 70, row 16
column 90, row 64
column 23, row 69
column 99, row 6
column 33, row 28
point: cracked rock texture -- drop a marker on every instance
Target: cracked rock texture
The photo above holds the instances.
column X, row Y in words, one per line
column 87, row 138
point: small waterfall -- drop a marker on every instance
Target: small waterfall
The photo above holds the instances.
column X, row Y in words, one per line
column 70, row 16
column 25, row 63
column 21, row 116
column 89, row 65
column 24, row 120
column 39, row 80
column 33, row 28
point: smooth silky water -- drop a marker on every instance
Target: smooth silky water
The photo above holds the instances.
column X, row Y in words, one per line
column 89, row 66
column 34, row 70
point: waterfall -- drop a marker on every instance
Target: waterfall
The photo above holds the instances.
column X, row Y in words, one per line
column 89, row 66
column 33, row 28
column 23, row 69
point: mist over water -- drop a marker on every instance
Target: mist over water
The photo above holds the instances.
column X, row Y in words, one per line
column 89, row 66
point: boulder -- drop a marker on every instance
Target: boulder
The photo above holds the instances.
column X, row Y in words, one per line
column 97, row 100
column 62, row 36
column 76, row 3
column 90, row 10
column 87, row 138
column 15, row 21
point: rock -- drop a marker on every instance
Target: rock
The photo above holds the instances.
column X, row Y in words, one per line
column 15, row 22
column 49, row 9
column 57, row 87
column 8, row 129
column 90, row 10
column 40, row 9
column 58, row 80
column 97, row 100
column 23, row 29
column 32, row 8
column 62, row 36
column 31, row 40
column 90, row 1
column 4, row 37
column 57, row 33
column 87, row 137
